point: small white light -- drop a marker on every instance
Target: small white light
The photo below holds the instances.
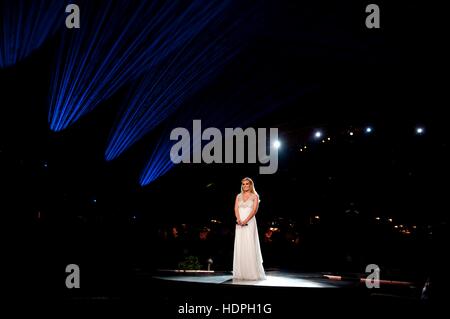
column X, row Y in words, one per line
column 351, row 133
column 420, row 130
column 318, row 134
column 368, row 129
column 277, row 144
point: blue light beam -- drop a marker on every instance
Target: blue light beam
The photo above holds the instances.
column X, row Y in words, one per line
column 118, row 42
column 231, row 109
column 25, row 25
column 163, row 91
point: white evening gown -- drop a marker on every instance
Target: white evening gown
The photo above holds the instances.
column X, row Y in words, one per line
column 247, row 262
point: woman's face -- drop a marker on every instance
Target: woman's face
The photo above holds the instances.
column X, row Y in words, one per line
column 245, row 185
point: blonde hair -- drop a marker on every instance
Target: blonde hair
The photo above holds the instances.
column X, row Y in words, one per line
column 252, row 187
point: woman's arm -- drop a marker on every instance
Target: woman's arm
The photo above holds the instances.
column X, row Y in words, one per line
column 236, row 210
column 254, row 210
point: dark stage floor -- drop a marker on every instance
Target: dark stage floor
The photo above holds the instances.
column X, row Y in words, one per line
column 192, row 295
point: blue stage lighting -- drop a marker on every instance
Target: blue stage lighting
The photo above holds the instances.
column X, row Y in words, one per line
column 118, row 42
column 232, row 111
column 25, row 25
column 161, row 92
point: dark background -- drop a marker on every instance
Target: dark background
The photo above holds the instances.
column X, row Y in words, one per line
column 65, row 204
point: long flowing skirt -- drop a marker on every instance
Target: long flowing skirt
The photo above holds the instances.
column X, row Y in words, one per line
column 247, row 262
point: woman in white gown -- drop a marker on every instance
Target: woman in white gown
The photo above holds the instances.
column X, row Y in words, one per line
column 247, row 262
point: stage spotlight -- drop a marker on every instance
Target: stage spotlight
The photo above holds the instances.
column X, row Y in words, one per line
column 420, row 130
column 277, row 144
